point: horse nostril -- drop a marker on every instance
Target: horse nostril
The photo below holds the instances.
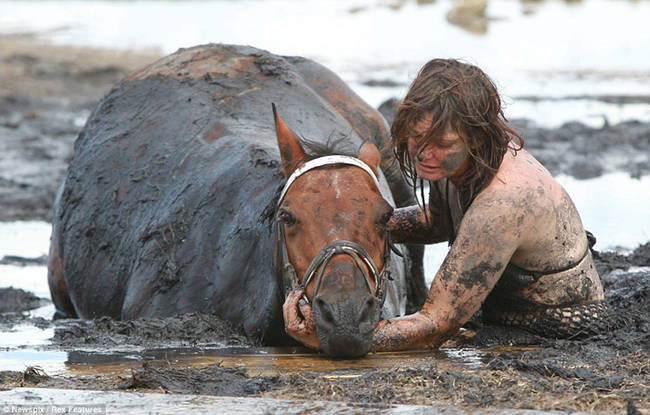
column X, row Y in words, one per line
column 368, row 310
column 324, row 311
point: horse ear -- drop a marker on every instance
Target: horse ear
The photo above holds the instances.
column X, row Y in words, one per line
column 370, row 155
column 291, row 151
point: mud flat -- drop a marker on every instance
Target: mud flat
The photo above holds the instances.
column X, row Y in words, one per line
column 50, row 92
column 486, row 367
column 46, row 94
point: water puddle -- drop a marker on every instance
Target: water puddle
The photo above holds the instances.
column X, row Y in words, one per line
column 255, row 361
column 52, row 362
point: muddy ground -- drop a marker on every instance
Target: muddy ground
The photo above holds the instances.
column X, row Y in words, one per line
column 603, row 373
column 45, row 96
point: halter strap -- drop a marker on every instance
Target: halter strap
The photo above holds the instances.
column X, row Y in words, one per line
column 324, row 161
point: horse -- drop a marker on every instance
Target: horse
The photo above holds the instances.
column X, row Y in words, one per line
column 183, row 195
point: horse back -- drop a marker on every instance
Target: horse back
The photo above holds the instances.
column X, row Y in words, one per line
column 168, row 201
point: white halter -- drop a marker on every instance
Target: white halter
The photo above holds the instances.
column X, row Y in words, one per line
column 324, row 161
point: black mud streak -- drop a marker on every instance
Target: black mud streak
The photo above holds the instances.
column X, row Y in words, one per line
column 479, row 275
column 453, row 161
column 393, row 341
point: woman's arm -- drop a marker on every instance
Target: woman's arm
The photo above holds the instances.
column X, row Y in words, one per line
column 409, row 225
column 488, row 236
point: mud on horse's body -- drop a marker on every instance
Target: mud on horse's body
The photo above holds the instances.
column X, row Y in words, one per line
column 170, row 202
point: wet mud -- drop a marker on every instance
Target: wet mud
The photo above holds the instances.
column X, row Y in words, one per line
column 50, row 91
column 43, row 109
column 515, row 369
column 185, row 329
column 46, row 94
column 17, row 300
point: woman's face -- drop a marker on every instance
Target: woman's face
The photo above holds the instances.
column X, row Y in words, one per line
column 446, row 158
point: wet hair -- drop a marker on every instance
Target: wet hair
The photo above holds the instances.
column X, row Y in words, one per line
column 460, row 97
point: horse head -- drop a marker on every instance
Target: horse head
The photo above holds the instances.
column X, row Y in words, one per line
column 332, row 239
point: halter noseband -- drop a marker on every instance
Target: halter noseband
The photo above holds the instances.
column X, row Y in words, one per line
column 287, row 272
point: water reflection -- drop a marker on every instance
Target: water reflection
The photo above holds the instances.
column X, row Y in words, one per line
column 271, row 360
column 18, row 360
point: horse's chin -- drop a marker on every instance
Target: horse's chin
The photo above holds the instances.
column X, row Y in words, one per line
column 345, row 345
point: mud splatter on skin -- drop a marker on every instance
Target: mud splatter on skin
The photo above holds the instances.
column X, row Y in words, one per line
column 453, row 162
column 405, row 333
column 479, row 275
column 408, row 225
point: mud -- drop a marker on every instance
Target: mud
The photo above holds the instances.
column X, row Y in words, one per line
column 47, row 92
column 17, row 300
column 602, row 373
column 185, row 329
column 43, row 108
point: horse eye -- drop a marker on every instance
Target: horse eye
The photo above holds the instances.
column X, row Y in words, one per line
column 286, row 217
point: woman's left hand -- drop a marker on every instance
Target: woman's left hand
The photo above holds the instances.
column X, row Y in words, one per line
column 299, row 320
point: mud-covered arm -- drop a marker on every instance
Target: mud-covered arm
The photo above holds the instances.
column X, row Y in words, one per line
column 487, row 238
column 409, row 225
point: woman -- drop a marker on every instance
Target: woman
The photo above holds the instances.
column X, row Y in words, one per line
column 518, row 247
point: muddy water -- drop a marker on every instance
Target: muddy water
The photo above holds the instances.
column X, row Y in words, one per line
column 181, row 355
column 255, row 361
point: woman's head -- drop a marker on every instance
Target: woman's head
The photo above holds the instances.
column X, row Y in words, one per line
column 452, row 110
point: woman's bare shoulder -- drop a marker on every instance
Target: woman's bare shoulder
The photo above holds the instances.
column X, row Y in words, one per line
column 522, row 177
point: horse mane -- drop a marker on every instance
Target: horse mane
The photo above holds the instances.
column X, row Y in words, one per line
column 338, row 144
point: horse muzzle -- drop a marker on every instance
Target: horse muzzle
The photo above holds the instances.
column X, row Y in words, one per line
column 345, row 319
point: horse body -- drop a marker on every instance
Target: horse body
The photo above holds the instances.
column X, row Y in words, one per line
column 169, row 200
